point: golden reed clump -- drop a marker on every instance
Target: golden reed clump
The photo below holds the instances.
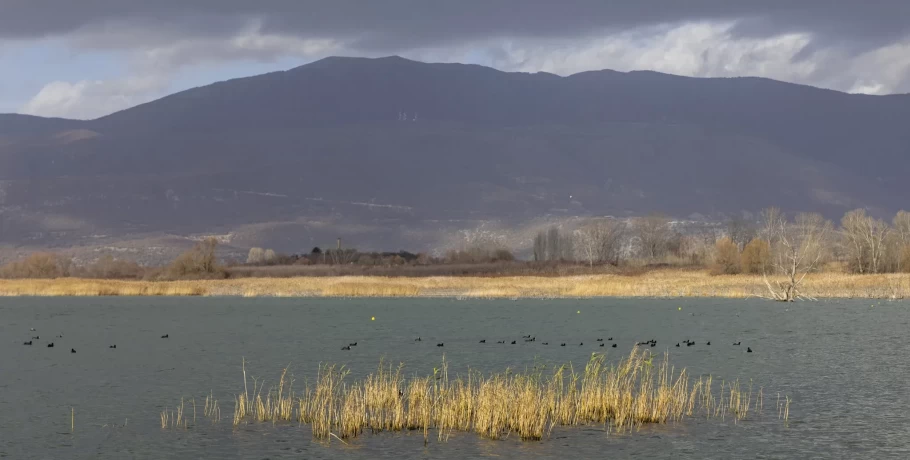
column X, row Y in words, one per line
column 621, row 396
column 657, row 284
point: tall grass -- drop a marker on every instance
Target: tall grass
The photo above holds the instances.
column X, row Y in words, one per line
column 659, row 283
column 621, row 396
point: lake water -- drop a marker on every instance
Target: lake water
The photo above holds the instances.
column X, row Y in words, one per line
column 844, row 363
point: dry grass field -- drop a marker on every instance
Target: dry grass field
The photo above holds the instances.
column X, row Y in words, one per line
column 658, row 283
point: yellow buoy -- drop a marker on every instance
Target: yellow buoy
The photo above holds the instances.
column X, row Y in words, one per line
column 579, row 311
column 679, row 308
column 373, row 318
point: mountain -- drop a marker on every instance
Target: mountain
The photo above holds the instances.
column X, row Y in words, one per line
column 390, row 152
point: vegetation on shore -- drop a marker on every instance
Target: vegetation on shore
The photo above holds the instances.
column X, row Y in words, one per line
column 636, row 390
column 668, row 283
column 779, row 258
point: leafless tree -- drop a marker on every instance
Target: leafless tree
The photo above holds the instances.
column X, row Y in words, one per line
column 540, row 247
column 341, row 256
column 865, row 237
column 255, row 256
column 600, row 241
column 902, row 226
column 740, row 231
column 655, row 233
column 771, row 220
column 798, row 251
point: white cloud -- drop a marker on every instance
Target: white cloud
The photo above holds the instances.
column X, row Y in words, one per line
column 154, row 67
column 248, row 44
column 699, row 49
column 91, row 99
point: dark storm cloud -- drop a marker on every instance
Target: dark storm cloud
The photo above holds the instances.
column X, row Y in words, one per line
column 391, row 24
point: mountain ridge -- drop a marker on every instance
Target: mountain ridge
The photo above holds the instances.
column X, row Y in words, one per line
column 446, row 142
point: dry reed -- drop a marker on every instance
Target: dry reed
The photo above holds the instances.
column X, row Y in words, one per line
column 658, row 283
column 621, row 396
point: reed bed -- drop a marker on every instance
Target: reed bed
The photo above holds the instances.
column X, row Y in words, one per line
column 658, row 283
column 621, row 397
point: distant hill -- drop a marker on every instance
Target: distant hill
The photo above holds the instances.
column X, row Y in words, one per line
column 388, row 151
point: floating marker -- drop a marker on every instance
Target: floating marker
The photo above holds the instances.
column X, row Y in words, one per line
column 372, row 318
column 679, row 308
column 579, row 311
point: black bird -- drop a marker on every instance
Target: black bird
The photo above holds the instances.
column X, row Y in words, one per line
column 601, row 344
column 546, row 343
column 35, row 337
column 580, row 344
column 611, row 338
column 736, row 343
column 164, row 336
column 501, row 341
column 709, row 343
column 614, row 345
column 677, row 344
column 653, row 344
column 600, row 340
column 72, row 350
column 353, row 344
column 513, row 342
column 562, row 344
column 483, row 341
column 526, row 336
column 748, row 350
column 113, row 346
column 27, row 343
column 60, row 336
column 689, row 344
column 417, row 339
column 50, row 345
column 346, row 348
column 439, row 344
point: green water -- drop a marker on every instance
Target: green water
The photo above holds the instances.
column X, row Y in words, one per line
column 843, row 363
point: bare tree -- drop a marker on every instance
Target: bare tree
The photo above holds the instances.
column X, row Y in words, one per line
column 865, row 237
column 600, row 241
column 798, row 251
column 740, row 231
column 553, row 241
column 902, row 226
column 655, row 233
column 255, row 256
column 771, row 220
column 540, row 247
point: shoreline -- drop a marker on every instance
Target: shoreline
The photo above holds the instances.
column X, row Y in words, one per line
column 656, row 284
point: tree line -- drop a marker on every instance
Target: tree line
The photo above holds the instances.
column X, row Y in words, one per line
column 773, row 245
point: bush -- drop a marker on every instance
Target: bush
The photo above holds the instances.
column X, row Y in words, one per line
column 199, row 262
column 109, row 268
column 727, row 261
column 38, row 265
column 905, row 259
column 756, row 257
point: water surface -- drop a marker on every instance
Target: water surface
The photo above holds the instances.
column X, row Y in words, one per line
column 843, row 363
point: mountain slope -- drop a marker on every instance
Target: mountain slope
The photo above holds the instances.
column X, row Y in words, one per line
column 326, row 142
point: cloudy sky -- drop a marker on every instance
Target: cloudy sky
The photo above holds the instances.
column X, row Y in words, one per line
column 87, row 58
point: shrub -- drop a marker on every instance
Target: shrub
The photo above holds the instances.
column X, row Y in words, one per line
column 727, row 261
column 198, row 262
column 756, row 257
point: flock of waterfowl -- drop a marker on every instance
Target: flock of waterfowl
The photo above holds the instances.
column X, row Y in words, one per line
column 600, row 341
column 31, row 341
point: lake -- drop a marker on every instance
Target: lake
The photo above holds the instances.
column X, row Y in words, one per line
column 843, row 363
